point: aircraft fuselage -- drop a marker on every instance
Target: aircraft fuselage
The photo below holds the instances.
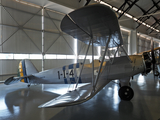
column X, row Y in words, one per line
column 119, row 69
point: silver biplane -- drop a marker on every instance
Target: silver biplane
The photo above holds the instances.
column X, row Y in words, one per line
column 95, row 25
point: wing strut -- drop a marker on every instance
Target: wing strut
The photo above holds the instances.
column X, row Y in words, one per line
column 100, row 67
column 111, row 61
column 125, row 53
column 92, row 63
column 83, row 63
column 92, row 55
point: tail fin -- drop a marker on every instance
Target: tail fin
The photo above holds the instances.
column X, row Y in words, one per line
column 26, row 68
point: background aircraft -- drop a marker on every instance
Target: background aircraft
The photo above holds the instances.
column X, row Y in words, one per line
column 95, row 25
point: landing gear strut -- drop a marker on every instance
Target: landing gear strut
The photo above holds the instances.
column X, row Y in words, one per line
column 128, row 84
column 126, row 93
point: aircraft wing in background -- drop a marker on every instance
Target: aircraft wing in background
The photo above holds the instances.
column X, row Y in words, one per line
column 155, row 49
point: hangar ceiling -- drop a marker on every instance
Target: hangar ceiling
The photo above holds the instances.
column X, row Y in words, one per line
column 147, row 12
column 50, row 5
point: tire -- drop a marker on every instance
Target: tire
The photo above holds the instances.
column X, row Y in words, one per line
column 126, row 93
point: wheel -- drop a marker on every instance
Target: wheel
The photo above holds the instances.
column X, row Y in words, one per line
column 156, row 73
column 28, row 85
column 126, row 93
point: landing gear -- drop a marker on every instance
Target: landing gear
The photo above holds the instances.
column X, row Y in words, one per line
column 128, row 84
column 156, row 73
column 126, row 93
column 28, row 85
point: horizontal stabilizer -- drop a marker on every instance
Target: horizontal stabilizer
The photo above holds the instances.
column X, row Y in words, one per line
column 2, row 81
column 13, row 80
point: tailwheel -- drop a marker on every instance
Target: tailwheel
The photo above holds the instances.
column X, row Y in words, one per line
column 126, row 93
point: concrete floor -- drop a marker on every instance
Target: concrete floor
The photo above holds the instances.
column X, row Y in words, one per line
column 17, row 102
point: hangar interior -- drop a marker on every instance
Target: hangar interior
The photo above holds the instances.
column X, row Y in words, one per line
column 30, row 29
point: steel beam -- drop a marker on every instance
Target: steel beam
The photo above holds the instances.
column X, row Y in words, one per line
column 130, row 5
column 143, row 19
column 156, row 24
column 30, row 12
column 31, row 40
column 52, row 44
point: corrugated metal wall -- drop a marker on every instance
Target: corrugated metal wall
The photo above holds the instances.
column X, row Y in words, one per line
column 21, row 32
column 144, row 44
column 125, row 36
column 21, row 28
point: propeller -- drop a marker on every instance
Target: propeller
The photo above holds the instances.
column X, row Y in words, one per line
column 153, row 57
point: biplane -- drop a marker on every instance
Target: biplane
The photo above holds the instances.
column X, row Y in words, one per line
column 95, row 25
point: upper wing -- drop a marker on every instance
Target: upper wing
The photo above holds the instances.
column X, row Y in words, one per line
column 97, row 21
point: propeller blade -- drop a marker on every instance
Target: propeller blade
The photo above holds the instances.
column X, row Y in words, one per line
column 153, row 56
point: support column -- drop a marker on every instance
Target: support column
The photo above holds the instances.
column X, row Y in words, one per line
column 1, row 47
column 133, row 42
column 99, row 51
column 92, row 63
column 43, row 39
column 75, row 50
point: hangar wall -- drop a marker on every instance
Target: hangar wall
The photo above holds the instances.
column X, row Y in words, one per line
column 144, row 43
column 21, row 33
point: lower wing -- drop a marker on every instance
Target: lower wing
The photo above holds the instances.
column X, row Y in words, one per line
column 77, row 96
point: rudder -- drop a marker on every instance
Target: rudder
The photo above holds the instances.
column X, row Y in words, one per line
column 26, row 68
